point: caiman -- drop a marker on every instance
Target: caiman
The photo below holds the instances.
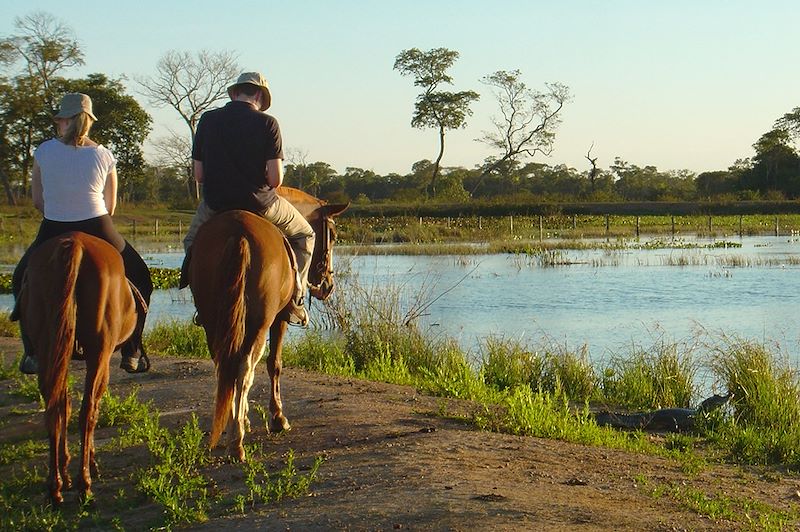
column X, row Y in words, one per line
column 664, row 419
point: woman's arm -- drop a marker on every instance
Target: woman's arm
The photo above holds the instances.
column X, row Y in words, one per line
column 110, row 191
column 36, row 187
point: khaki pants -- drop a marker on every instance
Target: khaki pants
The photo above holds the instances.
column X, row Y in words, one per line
column 283, row 215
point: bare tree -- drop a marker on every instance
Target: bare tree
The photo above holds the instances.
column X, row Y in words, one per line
column 528, row 119
column 190, row 83
column 593, row 161
column 175, row 151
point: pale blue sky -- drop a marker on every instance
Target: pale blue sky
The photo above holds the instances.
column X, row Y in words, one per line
column 686, row 84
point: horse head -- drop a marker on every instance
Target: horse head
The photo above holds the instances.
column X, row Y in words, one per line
column 320, row 215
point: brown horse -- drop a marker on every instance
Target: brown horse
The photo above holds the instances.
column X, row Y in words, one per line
column 242, row 280
column 75, row 294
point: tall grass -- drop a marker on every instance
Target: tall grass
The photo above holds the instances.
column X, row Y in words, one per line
column 765, row 427
column 660, row 376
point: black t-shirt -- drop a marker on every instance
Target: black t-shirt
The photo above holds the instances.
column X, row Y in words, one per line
column 234, row 144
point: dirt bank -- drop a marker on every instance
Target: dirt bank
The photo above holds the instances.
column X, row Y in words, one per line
column 392, row 462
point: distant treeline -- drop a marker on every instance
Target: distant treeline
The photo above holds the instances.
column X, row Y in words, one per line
column 642, row 208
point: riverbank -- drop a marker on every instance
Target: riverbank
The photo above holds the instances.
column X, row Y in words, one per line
column 395, row 459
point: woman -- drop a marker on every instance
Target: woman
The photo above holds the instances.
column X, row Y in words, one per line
column 74, row 185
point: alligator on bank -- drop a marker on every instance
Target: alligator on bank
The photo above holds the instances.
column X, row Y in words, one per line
column 663, row 420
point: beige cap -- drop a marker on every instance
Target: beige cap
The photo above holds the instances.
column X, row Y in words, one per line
column 254, row 78
column 75, row 103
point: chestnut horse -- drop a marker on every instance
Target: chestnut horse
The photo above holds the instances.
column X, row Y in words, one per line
column 242, row 280
column 75, row 294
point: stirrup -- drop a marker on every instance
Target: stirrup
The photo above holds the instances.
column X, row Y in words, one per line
column 296, row 314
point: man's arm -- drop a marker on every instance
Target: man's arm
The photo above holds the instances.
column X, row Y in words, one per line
column 275, row 173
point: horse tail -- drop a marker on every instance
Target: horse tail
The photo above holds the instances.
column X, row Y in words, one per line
column 66, row 262
column 229, row 328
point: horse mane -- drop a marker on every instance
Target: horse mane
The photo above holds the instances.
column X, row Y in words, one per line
column 302, row 201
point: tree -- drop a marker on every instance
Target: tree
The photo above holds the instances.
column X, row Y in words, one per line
column 434, row 108
column 174, row 152
column 776, row 165
column 790, row 122
column 190, row 84
column 46, row 46
column 122, row 124
column 528, row 119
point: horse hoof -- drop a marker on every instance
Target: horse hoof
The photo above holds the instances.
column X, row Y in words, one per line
column 237, row 454
column 56, row 498
column 279, row 424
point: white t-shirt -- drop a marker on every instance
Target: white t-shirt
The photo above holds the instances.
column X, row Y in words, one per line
column 73, row 179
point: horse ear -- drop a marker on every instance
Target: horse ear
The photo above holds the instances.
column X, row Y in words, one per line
column 336, row 209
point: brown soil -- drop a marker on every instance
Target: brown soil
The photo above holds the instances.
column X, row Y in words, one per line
column 393, row 462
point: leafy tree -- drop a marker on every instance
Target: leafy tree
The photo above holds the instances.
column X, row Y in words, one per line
column 776, row 165
column 122, row 124
column 717, row 183
column 25, row 124
column 528, row 119
column 435, row 108
column 44, row 46
column 790, row 122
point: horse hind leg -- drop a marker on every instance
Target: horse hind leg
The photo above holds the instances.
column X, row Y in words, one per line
column 278, row 422
column 239, row 423
column 56, row 428
column 95, row 386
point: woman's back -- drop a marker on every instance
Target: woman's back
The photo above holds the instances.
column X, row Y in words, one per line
column 73, row 180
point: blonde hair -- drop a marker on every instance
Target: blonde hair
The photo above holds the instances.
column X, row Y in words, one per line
column 78, row 130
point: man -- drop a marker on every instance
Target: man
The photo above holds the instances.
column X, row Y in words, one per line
column 238, row 158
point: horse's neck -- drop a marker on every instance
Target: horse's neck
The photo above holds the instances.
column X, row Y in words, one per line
column 303, row 202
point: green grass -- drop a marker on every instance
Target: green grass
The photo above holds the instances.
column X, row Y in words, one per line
column 765, row 425
column 174, row 480
column 750, row 514
column 177, row 338
column 264, row 488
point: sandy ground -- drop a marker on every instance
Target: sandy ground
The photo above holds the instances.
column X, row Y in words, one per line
column 393, row 462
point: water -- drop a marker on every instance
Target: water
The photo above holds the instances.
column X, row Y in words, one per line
column 607, row 302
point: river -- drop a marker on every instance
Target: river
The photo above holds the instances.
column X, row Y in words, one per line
column 605, row 301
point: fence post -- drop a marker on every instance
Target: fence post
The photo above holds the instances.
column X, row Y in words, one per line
column 541, row 227
column 638, row 219
column 777, row 232
column 480, row 222
column 155, row 230
column 134, row 227
column 673, row 227
column 574, row 221
column 607, row 224
column 710, row 226
column 511, row 220
column 741, row 229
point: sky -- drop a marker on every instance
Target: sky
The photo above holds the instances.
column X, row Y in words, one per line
column 684, row 84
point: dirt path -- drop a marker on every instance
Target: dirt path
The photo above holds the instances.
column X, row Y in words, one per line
column 392, row 462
